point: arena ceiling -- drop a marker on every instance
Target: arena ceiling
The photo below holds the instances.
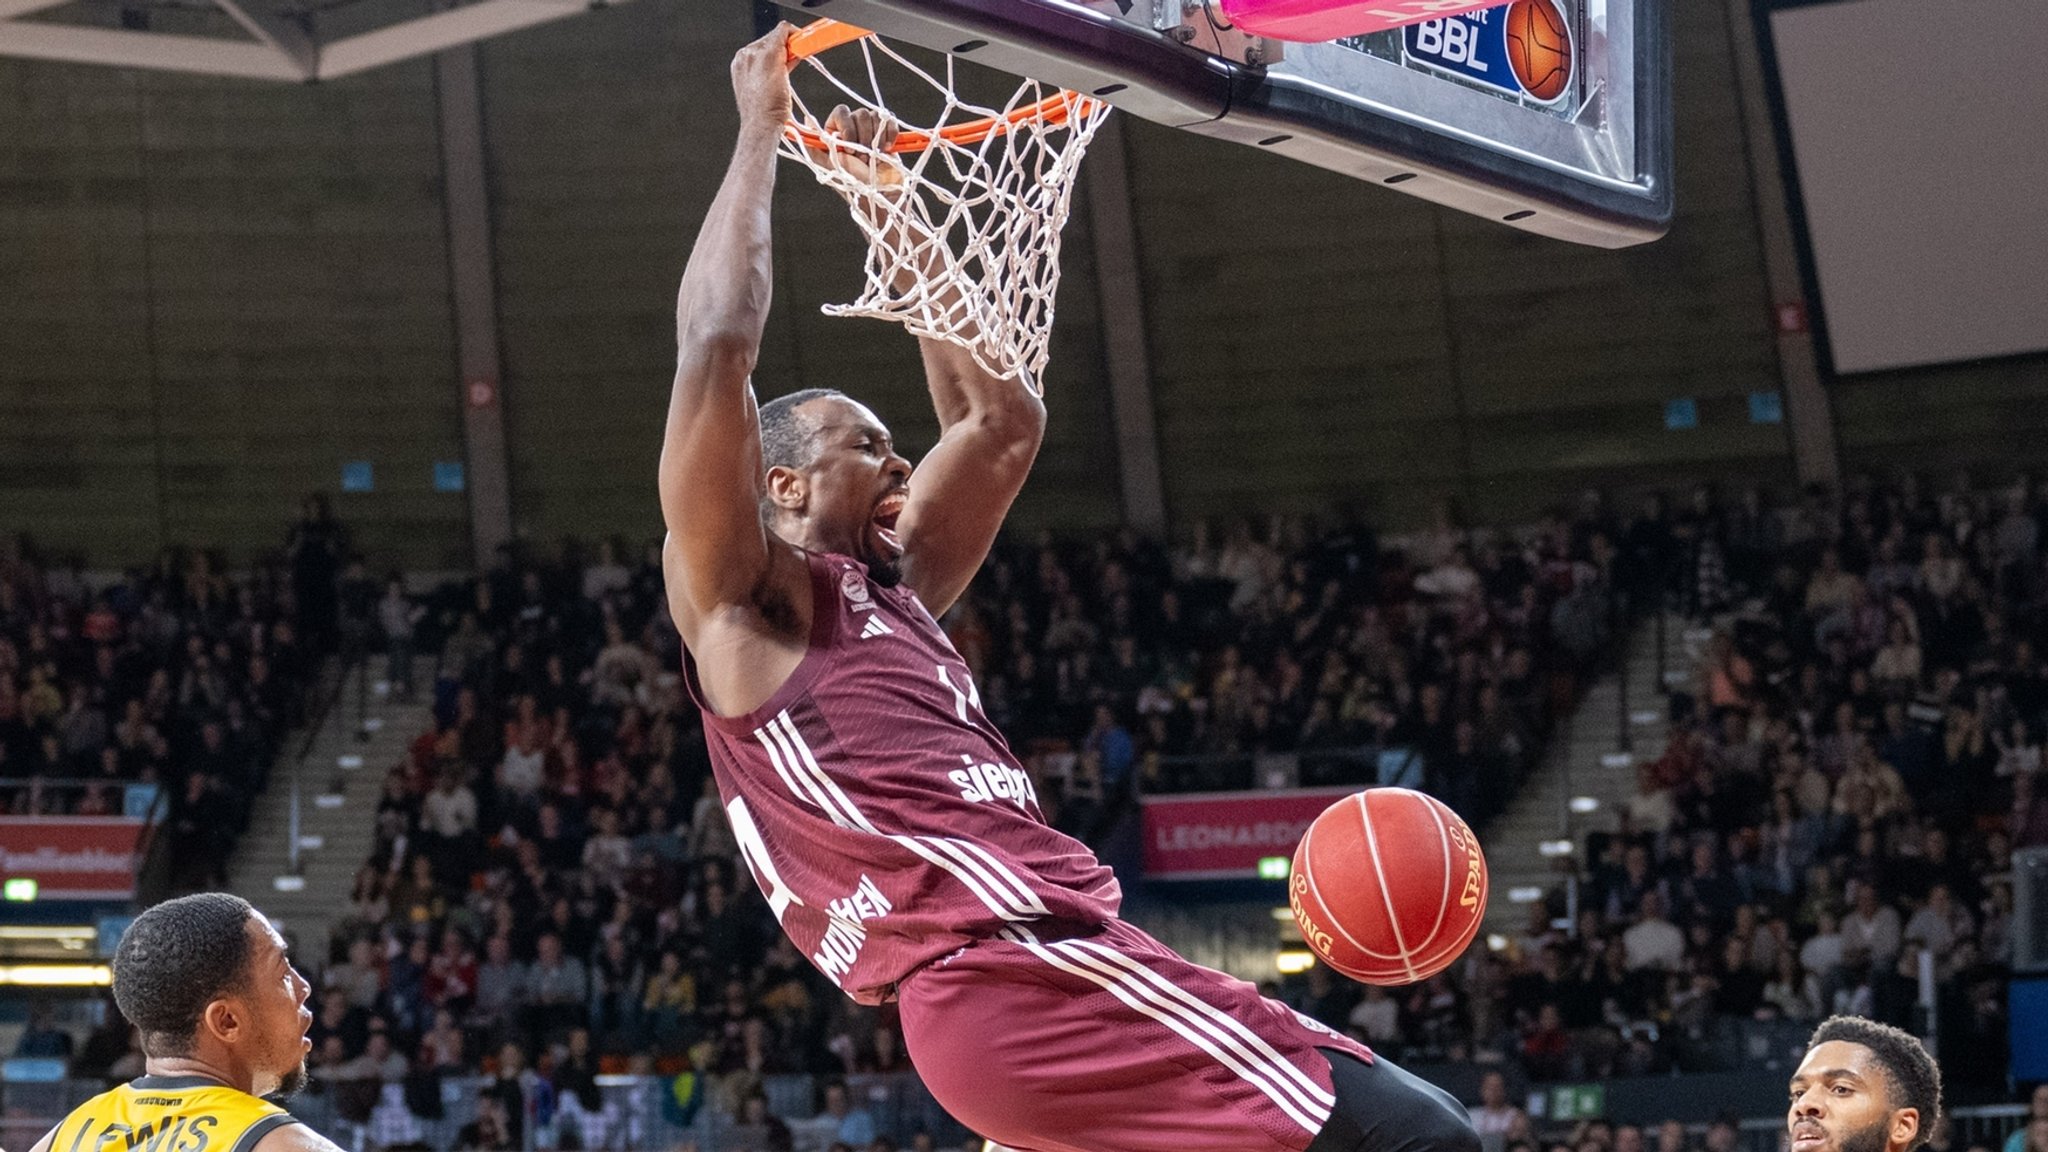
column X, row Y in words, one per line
column 285, row 40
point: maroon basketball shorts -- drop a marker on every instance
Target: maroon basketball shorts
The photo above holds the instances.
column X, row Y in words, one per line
column 1109, row 1042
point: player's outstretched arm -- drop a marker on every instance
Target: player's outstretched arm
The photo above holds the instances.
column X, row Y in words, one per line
column 989, row 426
column 718, row 553
column 989, row 431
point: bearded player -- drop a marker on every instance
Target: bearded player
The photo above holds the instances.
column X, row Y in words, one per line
column 896, row 837
column 223, row 1018
column 1863, row 1087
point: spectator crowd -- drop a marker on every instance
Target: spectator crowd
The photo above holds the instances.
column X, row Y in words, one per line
column 554, row 889
column 554, row 894
column 1197, row 667
column 174, row 685
column 1852, row 762
column 1505, row 1126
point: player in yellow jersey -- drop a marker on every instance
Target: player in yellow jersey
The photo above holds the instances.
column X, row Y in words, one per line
column 223, row 1019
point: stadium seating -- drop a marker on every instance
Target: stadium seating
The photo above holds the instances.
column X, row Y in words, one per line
column 176, row 680
column 555, row 897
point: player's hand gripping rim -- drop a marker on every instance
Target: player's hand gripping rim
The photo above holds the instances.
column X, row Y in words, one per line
column 760, row 80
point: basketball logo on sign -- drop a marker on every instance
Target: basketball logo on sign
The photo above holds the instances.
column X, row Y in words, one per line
column 1540, row 48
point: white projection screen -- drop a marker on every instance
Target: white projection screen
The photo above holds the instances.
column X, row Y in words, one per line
column 1920, row 135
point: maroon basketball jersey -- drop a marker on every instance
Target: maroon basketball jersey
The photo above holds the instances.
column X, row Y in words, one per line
column 883, row 816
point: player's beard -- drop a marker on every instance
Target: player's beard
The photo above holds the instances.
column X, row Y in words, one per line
column 884, row 564
column 886, row 571
column 1870, row 1138
column 293, row 1082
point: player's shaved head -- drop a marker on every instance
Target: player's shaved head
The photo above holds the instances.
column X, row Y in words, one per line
column 789, row 438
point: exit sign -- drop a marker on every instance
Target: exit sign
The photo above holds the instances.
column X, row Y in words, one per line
column 20, row 889
column 1578, row 1102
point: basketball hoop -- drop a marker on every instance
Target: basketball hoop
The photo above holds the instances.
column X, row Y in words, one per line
column 962, row 216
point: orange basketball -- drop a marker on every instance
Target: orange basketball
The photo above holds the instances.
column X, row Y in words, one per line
column 1539, row 47
column 1389, row 886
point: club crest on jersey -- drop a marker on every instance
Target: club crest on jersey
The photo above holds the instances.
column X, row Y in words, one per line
column 854, row 587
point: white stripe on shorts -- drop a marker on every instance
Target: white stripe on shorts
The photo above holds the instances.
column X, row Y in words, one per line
column 1198, row 1029
column 1311, row 1094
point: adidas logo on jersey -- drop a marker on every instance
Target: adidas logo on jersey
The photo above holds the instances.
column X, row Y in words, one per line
column 874, row 628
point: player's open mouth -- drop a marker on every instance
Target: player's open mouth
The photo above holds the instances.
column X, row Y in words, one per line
column 1808, row 1137
column 884, row 519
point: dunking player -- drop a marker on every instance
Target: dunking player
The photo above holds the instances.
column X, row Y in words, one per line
column 897, row 839
column 223, row 1019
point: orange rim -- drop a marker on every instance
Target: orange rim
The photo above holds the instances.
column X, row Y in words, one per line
column 824, row 35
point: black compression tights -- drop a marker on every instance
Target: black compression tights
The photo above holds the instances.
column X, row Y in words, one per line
column 1381, row 1108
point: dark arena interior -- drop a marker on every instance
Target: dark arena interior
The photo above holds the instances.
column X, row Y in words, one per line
column 1650, row 467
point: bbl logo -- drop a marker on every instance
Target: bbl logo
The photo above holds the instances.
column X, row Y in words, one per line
column 1522, row 49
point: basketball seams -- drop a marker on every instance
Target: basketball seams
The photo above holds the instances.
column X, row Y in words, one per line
column 1534, row 26
column 1308, row 872
column 1463, row 939
column 1443, row 835
column 1372, row 844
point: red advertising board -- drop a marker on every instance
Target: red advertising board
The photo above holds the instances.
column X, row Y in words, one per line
column 1224, row 835
column 1291, row 20
column 72, row 857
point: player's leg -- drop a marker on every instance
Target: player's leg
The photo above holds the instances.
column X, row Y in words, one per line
column 1106, row 1042
column 1384, row 1108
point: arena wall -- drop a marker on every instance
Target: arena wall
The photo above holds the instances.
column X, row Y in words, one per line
column 215, row 293
column 219, row 292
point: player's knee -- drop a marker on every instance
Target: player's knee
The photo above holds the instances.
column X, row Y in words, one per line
column 1438, row 1121
column 1447, row 1131
column 1383, row 1108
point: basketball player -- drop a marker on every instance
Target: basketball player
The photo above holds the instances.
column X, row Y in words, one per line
column 1863, row 1087
column 223, row 1019
column 896, row 837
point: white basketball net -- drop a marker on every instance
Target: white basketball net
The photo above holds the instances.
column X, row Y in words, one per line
column 963, row 236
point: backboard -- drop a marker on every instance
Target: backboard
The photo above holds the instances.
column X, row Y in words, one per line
column 1573, row 143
